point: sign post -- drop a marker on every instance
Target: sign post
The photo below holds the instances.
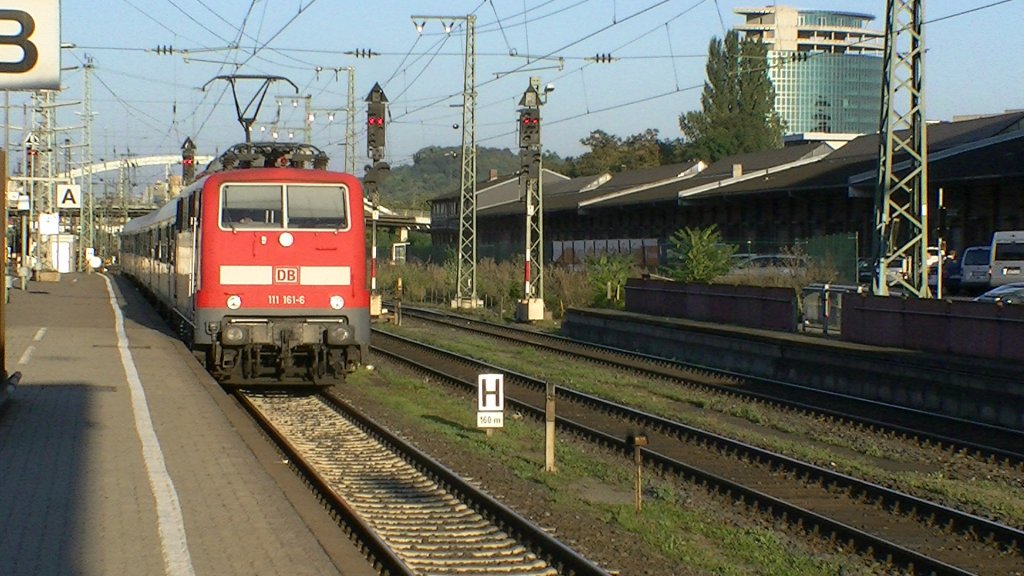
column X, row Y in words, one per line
column 29, row 60
column 549, row 428
column 490, row 401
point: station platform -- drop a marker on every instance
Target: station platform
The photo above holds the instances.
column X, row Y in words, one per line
column 120, row 455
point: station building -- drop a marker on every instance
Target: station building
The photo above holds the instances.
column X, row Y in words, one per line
column 767, row 200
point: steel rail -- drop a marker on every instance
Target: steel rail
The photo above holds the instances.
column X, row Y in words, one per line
column 966, row 523
column 1010, row 442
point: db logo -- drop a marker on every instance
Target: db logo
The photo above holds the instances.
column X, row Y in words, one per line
column 29, row 44
column 286, row 275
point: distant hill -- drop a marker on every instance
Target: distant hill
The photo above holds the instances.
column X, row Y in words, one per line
column 435, row 172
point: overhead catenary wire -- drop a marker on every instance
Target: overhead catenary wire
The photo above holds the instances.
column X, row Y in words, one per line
column 573, row 43
column 507, row 25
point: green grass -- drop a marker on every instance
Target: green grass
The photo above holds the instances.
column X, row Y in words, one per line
column 847, row 452
column 672, row 523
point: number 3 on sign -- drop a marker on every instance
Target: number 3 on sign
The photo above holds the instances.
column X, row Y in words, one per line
column 30, row 44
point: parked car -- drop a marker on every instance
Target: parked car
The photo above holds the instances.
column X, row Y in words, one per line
column 1012, row 293
column 893, row 273
column 974, row 272
column 1007, row 259
column 763, row 265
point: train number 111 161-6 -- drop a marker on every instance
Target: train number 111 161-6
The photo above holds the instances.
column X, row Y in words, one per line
column 277, row 299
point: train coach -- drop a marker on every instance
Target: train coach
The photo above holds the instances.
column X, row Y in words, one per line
column 261, row 266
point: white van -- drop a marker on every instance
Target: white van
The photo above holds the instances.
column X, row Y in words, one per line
column 974, row 267
column 1007, row 257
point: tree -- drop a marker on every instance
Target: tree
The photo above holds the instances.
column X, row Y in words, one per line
column 698, row 255
column 737, row 106
column 609, row 153
column 436, row 171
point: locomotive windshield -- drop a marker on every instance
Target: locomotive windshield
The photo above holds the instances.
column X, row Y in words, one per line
column 293, row 206
column 316, row 207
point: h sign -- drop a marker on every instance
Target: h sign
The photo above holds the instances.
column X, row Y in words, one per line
column 69, row 196
column 490, row 392
column 30, row 44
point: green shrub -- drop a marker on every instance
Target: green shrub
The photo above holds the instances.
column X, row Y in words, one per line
column 698, row 255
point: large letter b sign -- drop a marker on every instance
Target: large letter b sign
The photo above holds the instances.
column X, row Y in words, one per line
column 29, row 44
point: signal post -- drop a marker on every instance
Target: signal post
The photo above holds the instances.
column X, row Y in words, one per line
column 531, row 307
column 376, row 110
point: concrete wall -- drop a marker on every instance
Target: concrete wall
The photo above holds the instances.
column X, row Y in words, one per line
column 971, row 388
column 962, row 329
column 750, row 306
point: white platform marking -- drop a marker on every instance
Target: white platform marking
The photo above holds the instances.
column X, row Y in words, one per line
column 171, row 526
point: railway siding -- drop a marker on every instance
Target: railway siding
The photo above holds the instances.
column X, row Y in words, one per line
column 837, row 504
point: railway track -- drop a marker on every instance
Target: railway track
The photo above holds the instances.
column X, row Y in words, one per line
column 953, row 434
column 412, row 515
column 912, row 533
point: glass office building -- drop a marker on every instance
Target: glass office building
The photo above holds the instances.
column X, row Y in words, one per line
column 826, row 67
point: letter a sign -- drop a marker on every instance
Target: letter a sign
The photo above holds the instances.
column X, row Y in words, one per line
column 69, row 196
column 30, row 44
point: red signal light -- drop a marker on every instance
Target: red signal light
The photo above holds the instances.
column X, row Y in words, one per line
column 375, row 121
column 187, row 161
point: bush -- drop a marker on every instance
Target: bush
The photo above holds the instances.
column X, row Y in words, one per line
column 564, row 289
column 500, row 285
column 607, row 275
column 698, row 255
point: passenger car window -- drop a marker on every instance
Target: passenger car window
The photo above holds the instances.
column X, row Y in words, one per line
column 321, row 207
column 251, row 206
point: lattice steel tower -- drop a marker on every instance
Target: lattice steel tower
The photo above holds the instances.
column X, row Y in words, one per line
column 901, row 196
column 466, row 273
column 88, row 224
column 466, row 290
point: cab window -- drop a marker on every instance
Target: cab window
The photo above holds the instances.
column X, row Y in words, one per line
column 251, row 206
column 320, row 207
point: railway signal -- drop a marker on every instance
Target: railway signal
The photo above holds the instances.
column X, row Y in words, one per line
column 531, row 307
column 376, row 108
column 529, row 164
column 529, row 127
column 188, row 161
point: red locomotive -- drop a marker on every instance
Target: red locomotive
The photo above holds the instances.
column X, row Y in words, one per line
column 261, row 265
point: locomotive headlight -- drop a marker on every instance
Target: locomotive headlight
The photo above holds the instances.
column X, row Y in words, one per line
column 234, row 302
column 234, row 336
column 337, row 302
column 286, row 239
column 341, row 334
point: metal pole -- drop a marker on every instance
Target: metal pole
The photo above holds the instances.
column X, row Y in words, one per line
column 942, row 255
column 350, row 126
column 30, row 170
column 638, row 441
column 3, row 248
column 549, row 428
column 90, row 214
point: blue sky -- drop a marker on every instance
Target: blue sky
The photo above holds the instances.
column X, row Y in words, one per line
column 148, row 103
